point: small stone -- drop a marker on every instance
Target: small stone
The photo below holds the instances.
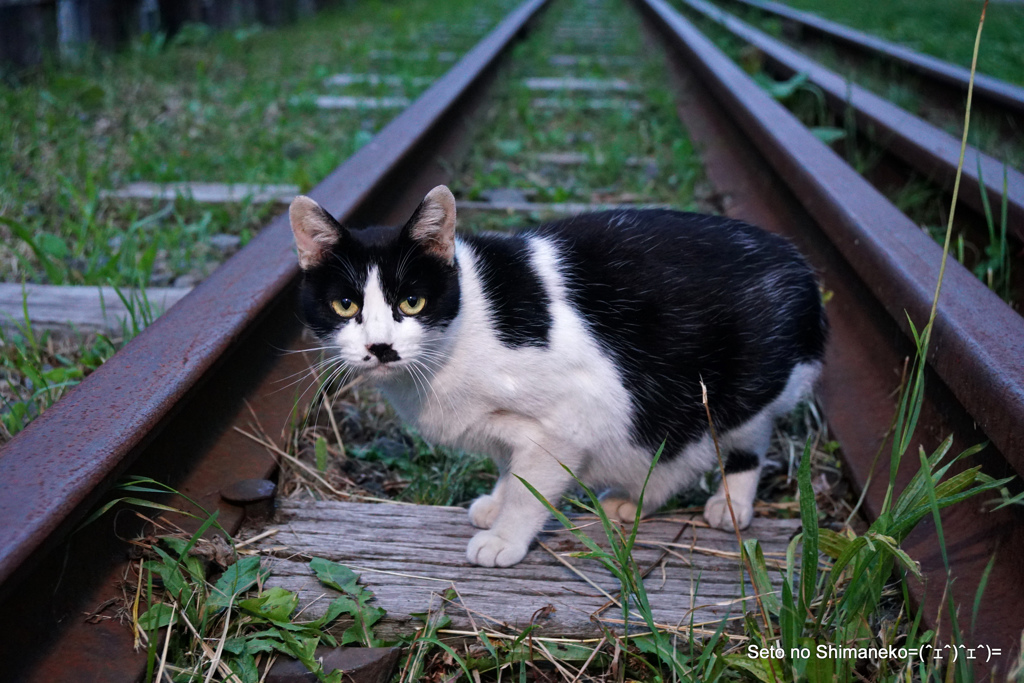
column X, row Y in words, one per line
column 161, row 279
column 186, row 280
column 352, row 102
column 360, row 664
column 225, row 242
column 506, row 195
column 248, row 491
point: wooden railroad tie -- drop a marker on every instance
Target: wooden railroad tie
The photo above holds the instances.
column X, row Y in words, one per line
column 410, row 555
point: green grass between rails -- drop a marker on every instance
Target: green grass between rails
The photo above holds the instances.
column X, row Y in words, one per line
column 632, row 156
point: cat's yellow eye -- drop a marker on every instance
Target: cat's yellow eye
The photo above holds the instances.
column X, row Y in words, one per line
column 346, row 308
column 411, row 305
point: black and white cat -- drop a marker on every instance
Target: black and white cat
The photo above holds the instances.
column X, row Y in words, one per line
column 581, row 342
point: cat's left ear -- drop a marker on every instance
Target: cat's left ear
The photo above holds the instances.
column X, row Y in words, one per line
column 314, row 229
column 433, row 224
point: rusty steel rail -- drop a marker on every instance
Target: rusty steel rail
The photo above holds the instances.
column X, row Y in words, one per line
column 881, row 268
column 998, row 92
column 933, row 152
column 167, row 403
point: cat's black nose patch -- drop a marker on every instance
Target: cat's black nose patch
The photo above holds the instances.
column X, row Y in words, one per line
column 384, row 352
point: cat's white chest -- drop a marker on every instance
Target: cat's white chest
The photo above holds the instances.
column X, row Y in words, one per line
column 490, row 397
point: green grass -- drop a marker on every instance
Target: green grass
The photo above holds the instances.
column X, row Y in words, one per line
column 230, row 107
column 37, row 367
column 943, row 28
column 514, row 130
column 197, row 617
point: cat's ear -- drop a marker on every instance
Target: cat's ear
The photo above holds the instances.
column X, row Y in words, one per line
column 433, row 224
column 314, row 229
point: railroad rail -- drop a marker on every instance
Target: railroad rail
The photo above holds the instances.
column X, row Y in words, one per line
column 987, row 88
column 166, row 404
column 881, row 269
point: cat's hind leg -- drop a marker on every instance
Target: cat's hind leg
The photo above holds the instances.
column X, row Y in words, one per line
column 619, row 507
column 667, row 479
column 743, row 450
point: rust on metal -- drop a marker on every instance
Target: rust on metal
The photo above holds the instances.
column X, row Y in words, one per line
column 864, row 363
column 167, row 404
column 935, row 153
column 999, row 92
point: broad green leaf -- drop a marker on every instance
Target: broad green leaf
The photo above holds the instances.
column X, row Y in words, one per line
column 157, row 616
column 276, row 604
column 828, row 134
column 53, row 245
column 236, row 579
column 759, row 668
column 244, row 666
column 336, row 576
column 265, row 641
column 790, row 622
column 759, row 575
column 781, row 90
column 818, row 669
column 831, row 543
column 809, row 520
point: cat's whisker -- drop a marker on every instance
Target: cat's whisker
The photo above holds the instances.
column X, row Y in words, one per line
column 311, row 370
column 424, row 369
column 308, row 370
column 312, row 349
column 418, row 379
column 338, row 374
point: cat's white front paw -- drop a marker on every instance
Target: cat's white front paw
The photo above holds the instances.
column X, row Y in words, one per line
column 619, row 509
column 716, row 512
column 484, row 511
column 488, row 549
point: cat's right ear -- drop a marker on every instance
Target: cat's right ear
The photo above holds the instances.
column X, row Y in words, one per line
column 314, row 229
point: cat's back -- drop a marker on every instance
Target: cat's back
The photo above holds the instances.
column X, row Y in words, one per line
column 680, row 250
column 672, row 298
column 635, row 273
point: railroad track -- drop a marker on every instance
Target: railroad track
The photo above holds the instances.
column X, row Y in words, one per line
column 167, row 404
column 923, row 147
